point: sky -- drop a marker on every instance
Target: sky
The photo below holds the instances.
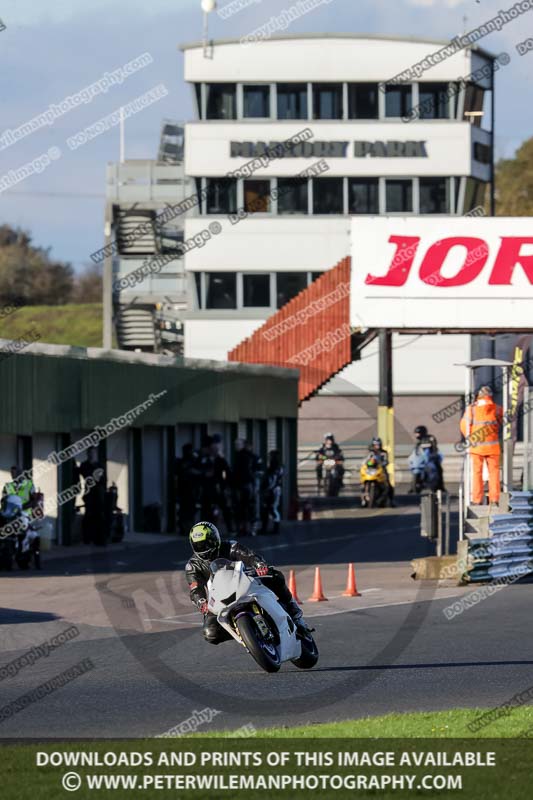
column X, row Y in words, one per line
column 53, row 49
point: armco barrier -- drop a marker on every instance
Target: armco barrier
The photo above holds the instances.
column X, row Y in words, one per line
column 508, row 552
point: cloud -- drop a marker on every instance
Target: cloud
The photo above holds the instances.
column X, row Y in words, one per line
column 431, row 3
column 30, row 13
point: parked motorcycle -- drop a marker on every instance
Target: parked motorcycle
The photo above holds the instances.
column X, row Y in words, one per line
column 424, row 465
column 7, row 549
column 24, row 543
column 252, row 614
column 334, row 470
column 374, row 487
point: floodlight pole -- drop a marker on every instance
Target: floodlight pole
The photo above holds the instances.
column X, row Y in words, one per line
column 206, row 33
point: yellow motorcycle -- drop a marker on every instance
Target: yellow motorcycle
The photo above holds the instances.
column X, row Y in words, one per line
column 373, row 483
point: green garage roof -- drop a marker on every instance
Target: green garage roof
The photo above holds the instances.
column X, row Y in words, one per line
column 57, row 389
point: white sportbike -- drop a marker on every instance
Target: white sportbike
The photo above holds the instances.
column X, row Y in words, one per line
column 252, row 614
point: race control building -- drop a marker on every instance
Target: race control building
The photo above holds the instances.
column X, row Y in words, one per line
column 295, row 138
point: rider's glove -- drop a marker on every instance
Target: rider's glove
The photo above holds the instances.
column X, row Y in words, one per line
column 203, row 607
column 261, row 570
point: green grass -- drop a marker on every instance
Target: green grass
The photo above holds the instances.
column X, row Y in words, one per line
column 79, row 325
column 430, row 725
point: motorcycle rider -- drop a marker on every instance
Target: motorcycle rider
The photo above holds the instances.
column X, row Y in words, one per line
column 329, row 449
column 377, row 450
column 207, row 545
column 426, row 444
column 20, row 486
column 27, row 542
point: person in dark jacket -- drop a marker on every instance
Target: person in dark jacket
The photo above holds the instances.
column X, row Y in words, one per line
column 93, row 525
column 215, row 479
column 244, row 464
column 188, row 475
column 207, row 545
column 271, row 493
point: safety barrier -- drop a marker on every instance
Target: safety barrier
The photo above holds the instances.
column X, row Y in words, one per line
column 318, row 595
column 508, row 553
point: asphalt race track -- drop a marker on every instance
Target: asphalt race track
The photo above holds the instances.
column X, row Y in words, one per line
column 392, row 649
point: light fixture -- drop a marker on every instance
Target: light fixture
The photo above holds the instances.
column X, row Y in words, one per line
column 208, row 6
column 472, row 115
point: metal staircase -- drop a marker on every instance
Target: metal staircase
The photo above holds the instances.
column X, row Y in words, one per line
column 135, row 328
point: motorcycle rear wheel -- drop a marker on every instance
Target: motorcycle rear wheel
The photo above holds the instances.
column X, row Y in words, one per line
column 260, row 651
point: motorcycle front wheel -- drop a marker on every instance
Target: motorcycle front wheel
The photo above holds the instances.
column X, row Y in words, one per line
column 309, row 654
column 264, row 653
column 371, row 491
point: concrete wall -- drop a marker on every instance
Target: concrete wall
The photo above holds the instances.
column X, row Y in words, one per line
column 321, row 57
column 8, row 457
column 353, row 419
column 47, row 482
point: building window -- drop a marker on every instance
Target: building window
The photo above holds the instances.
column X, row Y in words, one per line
column 221, row 289
column 328, row 196
column 198, row 92
column 316, row 275
column 198, row 286
column 221, row 101
column 362, row 100
column 363, row 195
column 434, row 197
column 398, row 101
column 288, row 285
column 257, row 196
column 433, row 101
column 256, row 102
column 475, row 194
column 399, row 196
column 221, row 196
column 474, row 104
column 292, row 196
column 256, row 291
column 482, row 153
column 292, row 101
column 327, row 100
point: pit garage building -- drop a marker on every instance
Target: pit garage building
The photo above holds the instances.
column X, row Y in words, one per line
column 53, row 396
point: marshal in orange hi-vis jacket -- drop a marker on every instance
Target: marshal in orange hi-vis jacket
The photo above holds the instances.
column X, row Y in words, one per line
column 481, row 424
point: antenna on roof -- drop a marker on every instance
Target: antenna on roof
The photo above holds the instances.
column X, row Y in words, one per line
column 208, row 6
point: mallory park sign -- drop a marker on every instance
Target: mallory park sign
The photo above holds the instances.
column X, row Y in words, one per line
column 359, row 149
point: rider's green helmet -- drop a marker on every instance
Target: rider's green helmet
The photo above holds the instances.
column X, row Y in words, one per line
column 205, row 540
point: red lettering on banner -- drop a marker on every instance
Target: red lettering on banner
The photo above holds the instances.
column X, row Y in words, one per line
column 508, row 258
column 406, row 247
column 476, row 257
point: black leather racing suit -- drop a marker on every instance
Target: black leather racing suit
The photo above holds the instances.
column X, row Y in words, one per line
column 197, row 574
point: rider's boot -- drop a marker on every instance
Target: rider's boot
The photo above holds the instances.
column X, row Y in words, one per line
column 297, row 616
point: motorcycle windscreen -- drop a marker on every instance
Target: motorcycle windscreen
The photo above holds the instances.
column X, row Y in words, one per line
column 221, row 564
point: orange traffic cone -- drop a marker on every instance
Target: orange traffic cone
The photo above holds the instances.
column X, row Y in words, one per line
column 292, row 586
column 318, row 593
column 351, row 586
